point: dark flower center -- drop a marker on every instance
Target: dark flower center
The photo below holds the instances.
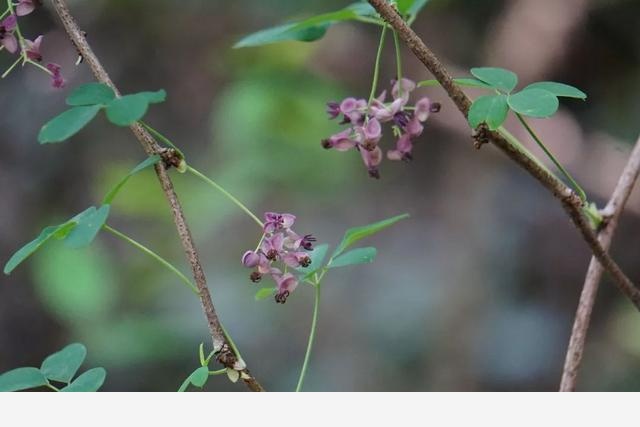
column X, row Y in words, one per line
column 305, row 262
column 281, row 298
column 255, row 277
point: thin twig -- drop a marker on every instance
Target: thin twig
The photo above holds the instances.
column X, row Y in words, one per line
column 570, row 200
column 612, row 213
column 151, row 146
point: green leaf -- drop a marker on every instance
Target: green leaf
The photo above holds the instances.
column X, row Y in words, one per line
column 264, row 293
column 89, row 381
column 355, row 256
column 283, row 33
column 58, row 231
column 498, row 78
column 128, row 109
column 489, row 109
column 91, row 94
column 153, row 97
column 317, row 255
column 198, row 378
column 149, row 161
column 466, row 82
column 411, row 7
column 21, row 379
column 89, row 223
column 63, row 365
column 67, row 124
column 559, row 89
column 352, row 235
column 534, row 103
column 307, row 30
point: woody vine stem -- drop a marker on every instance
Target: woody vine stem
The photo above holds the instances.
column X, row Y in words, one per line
column 221, row 344
column 572, row 203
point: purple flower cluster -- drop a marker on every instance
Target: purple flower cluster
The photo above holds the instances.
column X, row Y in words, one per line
column 29, row 50
column 365, row 124
column 279, row 243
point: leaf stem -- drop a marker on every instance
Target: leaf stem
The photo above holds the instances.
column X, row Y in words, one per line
column 312, row 335
column 52, row 387
column 226, row 194
column 574, row 184
column 11, row 67
column 153, row 255
column 376, row 68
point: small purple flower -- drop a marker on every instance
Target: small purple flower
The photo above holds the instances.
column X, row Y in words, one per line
column 286, row 283
column 402, row 88
column 32, row 49
column 25, row 7
column 371, row 132
column 275, row 221
column 333, row 109
column 371, row 160
column 383, row 112
column 414, row 127
column 56, row 77
column 294, row 241
column 365, row 124
column 250, row 259
column 273, row 246
column 423, row 109
column 296, row 259
column 279, row 246
column 341, row 141
column 7, row 39
column 403, row 149
column 353, row 110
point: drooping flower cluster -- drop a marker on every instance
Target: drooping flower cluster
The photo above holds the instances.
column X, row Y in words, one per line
column 279, row 243
column 365, row 124
column 29, row 51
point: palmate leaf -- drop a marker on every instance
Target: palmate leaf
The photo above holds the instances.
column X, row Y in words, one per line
column 58, row 231
column 498, row 78
column 21, row 379
column 129, row 109
column 88, row 224
column 198, row 378
column 411, row 7
column 77, row 232
column 89, row 381
column 91, row 94
column 67, row 124
column 534, row 103
column 309, row 29
column 489, row 109
column 64, row 364
column 355, row 256
column 559, row 89
column 355, row 234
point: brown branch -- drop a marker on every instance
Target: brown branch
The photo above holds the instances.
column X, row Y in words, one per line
column 570, row 201
column 612, row 212
column 224, row 353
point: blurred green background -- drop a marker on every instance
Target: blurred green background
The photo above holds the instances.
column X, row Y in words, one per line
column 476, row 291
